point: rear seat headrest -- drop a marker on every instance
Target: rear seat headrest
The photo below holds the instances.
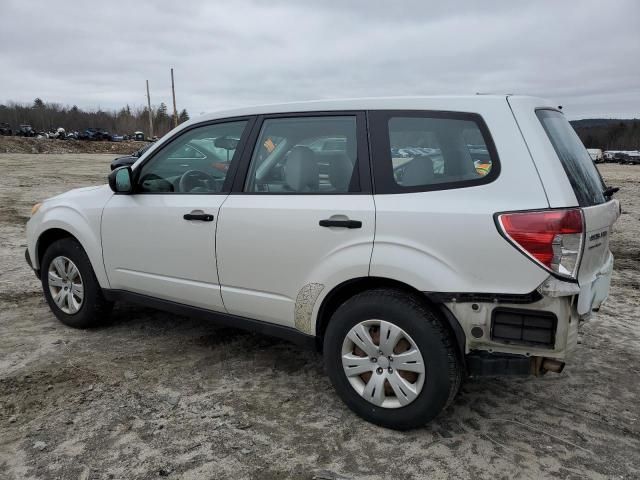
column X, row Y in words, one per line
column 301, row 171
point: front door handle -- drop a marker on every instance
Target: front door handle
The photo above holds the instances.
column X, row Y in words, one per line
column 329, row 222
column 198, row 215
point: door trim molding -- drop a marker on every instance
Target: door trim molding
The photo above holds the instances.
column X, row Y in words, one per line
column 219, row 318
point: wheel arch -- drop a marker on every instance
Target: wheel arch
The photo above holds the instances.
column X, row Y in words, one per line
column 47, row 237
column 345, row 290
column 56, row 230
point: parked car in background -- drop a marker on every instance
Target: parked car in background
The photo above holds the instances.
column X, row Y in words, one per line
column 93, row 133
column 634, row 157
column 138, row 136
column 87, row 134
column 628, row 157
column 129, row 160
column 5, row 129
column 621, row 157
column 407, row 272
column 596, row 155
column 114, row 137
column 25, row 130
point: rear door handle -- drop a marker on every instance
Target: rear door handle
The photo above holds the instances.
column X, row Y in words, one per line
column 198, row 215
column 341, row 223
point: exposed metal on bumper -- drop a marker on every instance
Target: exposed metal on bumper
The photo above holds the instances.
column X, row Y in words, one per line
column 476, row 322
column 554, row 287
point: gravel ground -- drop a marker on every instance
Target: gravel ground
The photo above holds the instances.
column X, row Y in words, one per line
column 156, row 395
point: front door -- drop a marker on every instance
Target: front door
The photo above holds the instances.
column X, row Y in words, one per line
column 160, row 240
column 301, row 219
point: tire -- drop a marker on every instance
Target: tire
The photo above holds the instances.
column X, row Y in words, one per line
column 442, row 367
column 93, row 309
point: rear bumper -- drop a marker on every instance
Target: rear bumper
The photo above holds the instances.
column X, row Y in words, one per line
column 592, row 295
column 544, row 327
column 481, row 364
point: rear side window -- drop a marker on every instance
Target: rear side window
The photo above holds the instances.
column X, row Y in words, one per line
column 315, row 155
column 423, row 151
column 582, row 173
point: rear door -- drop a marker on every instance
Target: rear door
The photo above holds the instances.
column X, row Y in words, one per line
column 571, row 179
column 299, row 221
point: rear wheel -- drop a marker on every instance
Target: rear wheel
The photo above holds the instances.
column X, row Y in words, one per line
column 70, row 285
column 390, row 359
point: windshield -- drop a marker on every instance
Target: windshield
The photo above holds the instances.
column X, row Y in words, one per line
column 582, row 173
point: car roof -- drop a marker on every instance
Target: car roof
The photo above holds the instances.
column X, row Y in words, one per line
column 466, row 103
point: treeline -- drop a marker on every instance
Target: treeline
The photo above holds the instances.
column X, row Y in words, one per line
column 609, row 134
column 45, row 116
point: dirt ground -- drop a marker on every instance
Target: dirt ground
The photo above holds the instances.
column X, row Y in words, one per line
column 154, row 395
column 46, row 145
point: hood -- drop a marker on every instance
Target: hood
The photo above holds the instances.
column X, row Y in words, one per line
column 78, row 193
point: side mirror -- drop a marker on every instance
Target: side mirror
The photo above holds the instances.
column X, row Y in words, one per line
column 120, row 180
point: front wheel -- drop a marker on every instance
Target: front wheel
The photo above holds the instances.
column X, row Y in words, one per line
column 70, row 285
column 391, row 360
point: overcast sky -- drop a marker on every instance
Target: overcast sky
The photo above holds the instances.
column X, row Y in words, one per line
column 584, row 55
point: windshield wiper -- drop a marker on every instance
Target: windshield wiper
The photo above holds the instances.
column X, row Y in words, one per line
column 609, row 191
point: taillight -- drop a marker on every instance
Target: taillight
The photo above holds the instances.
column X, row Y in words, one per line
column 552, row 238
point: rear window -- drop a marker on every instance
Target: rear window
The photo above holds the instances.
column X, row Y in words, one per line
column 423, row 151
column 582, row 173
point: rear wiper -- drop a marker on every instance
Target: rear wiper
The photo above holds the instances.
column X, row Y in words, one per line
column 609, row 191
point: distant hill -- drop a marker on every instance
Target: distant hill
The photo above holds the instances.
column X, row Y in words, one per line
column 609, row 133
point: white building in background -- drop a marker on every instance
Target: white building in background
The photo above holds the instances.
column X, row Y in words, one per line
column 596, row 154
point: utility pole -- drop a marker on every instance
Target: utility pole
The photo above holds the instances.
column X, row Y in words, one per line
column 173, row 92
column 150, row 113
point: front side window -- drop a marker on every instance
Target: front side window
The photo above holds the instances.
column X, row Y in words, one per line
column 305, row 155
column 195, row 162
column 421, row 151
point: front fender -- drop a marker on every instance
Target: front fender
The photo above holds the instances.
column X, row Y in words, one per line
column 81, row 219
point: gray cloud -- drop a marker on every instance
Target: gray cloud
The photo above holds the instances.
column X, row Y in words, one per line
column 581, row 54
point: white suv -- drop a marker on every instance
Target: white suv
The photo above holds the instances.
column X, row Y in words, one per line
column 413, row 240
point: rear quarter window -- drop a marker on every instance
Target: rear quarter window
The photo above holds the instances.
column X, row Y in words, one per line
column 422, row 151
column 576, row 161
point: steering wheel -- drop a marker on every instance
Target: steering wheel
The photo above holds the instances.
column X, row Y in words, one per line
column 192, row 179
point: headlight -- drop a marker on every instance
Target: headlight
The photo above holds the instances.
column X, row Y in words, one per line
column 35, row 209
